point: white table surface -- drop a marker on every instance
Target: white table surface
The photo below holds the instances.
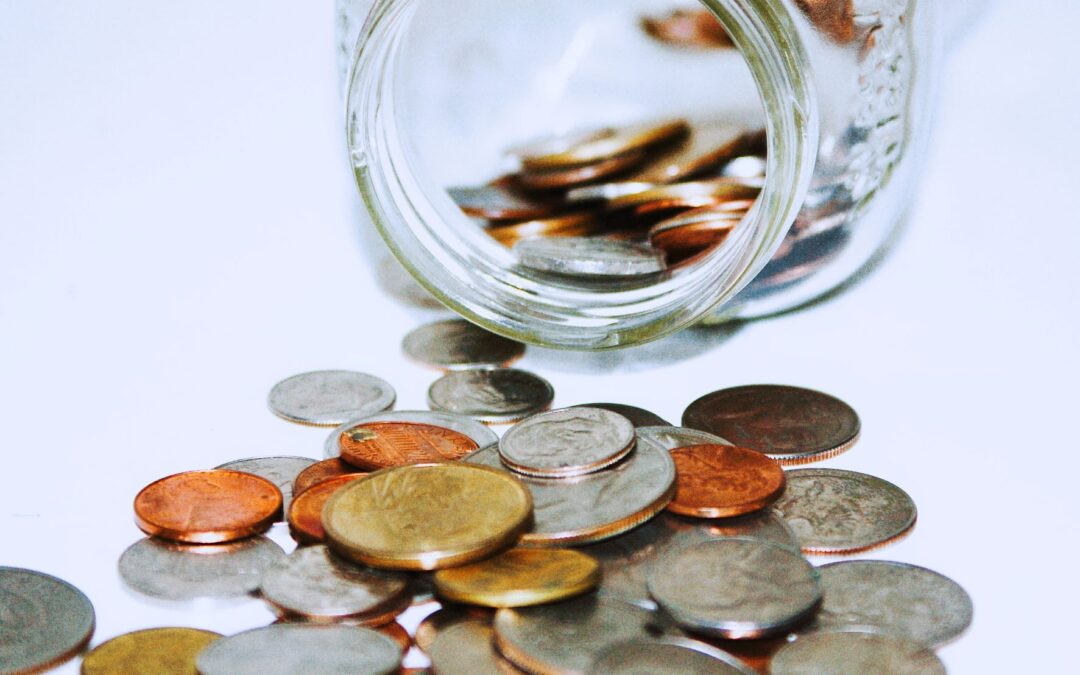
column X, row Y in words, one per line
column 177, row 233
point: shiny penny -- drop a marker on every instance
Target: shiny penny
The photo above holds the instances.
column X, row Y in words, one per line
column 720, row 481
column 520, row 577
column 589, row 257
column 623, row 140
column 673, row 655
column 494, row 396
column 379, row 445
column 854, row 653
column 149, row 652
column 566, row 442
column 44, row 621
column 207, row 507
column 475, row 430
column 281, row 471
column 455, row 344
column 320, row 471
column 639, row 417
column 305, row 515
column 429, row 628
column 468, row 648
column 300, row 649
column 330, row 397
column 499, row 201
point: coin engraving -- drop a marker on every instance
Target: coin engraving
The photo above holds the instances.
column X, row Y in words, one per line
column 330, row 397
column 477, row 431
column 567, row 442
column 281, row 471
column 491, row 395
column 379, row 445
column 719, row 481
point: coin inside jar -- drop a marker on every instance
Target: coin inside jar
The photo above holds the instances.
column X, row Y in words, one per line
column 494, row 396
column 455, row 344
column 520, row 577
column 379, row 445
column 854, row 653
column 567, row 442
column 305, row 514
column 588, row 257
column 281, row 471
column 301, row 648
column 720, row 481
column 566, row 177
column 572, row 225
column 149, row 652
column 623, row 140
column 320, row 471
column 330, row 397
column 500, row 201
column 44, row 621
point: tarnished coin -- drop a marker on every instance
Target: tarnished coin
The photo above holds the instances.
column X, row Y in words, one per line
column 281, row 471
column 305, row 514
column 897, row 598
column 598, row 505
column 720, row 481
column 475, row 430
column 380, row 445
column 854, row 653
column 312, row 583
column 495, row 396
column 669, row 437
column 171, row 571
column 621, row 141
column 155, row 651
column 520, row 577
column 207, row 507
column 320, row 471
column 837, row 511
column 639, row 417
column 455, row 344
column 44, row 621
column 553, row 179
column 300, row 649
column 672, row 655
column 566, row 442
column 589, row 256
column 429, row 628
column 326, row 398
column 736, row 588
column 500, row 201
column 790, row 424
column 425, row 517
column 571, row 225
column 468, row 648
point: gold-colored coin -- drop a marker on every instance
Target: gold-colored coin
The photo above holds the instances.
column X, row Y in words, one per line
column 626, row 139
column 149, row 652
column 520, row 577
column 427, row 516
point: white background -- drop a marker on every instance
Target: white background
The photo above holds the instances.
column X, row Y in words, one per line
column 177, row 233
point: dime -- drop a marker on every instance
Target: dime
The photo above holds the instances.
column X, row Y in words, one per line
column 790, row 424
column 588, row 256
column 455, row 344
column 320, row 471
column 673, row 655
column 621, row 141
column 428, row 630
column 639, row 417
column 477, row 431
column 207, row 507
column 305, row 514
column 380, row 445
column 44, row 621
column 598, row 505
column 520, row 577
column 837, row 511
column 900, row 599
column 669, row 438
column 566, row 442
column 281, row 471
column 553, row 179
column 314, row 584
column 425, row 517
column 572, row 225
column 854, row 653
column 720, row 481
column 326, row 398
column 736, row 588
column 149, row 652
column 494, row 396
column 299, row 649
column 467, row 648
column 499, row 201
column 171, row 571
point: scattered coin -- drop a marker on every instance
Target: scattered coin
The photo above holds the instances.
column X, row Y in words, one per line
column 320, row 471
column 566, row 442
column 475, row 430
column 207, row 507
column 149, row 652
column 499, row 201
column 171, row 571
column 429, row 628
column 495, row 396
column 305, row 514
column 837, row 511
column 639, row 417
column 330, row 397
column 520, row 577
column 720, row 481
column 736, row 588
column 281, row 471
column 380, row 445
column 299, row 649
column 588, row 256
column 621, row 141
column 467, row 648
column 854, row 653
column 44, row 621
column 669, row 437
column 673, row 655
column 455, row 344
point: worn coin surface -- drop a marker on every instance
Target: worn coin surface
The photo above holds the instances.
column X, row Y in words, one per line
column 300, row 649
column 639, row 417
column 44, row 621
column 720, row 481
column 154, row 651
column 897, row 598
column 326, row 398
column 736, row 588
column 380, row 445
column 429, row 628
column 499, row 201
column 620, row 141
column 598, row 505
column 207, row 507
column 854, row 653
column 320, row 471
column 468, row 648
column 455, row 344
column 567, row 442
column 495, row 396
column 171, row 571
column 589, row 256
column 281, row 471
column 425, row 517
column 669, row 437
column 837, row 511
column 672, row 655
column 475, row 430
column 520, row 577
column 790, row 424
column 305, row 514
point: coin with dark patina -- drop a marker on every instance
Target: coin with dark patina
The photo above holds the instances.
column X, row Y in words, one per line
column 477, row 431
column 670, row 655
column 281, row 471
column 320, row 471
column 455, row 344
column 305, row 514
column 379, row 445
column 297, row 649
column 330, row 397
column 566, row 442
column 494, row 396
column 790, row 424
column 44, row 621
column 639, row 417
column 720, row 481
column 855, row 653
column 468, row 648
column 155, row 651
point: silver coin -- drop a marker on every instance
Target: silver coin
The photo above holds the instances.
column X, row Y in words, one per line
column 480, row 433
column 300, row 649
column 173, row 571
column 456, row 344
column 588, row 256
column 494, row 396
column 330, row 397
column 566, row 442
column 639, row 417
column 670, row 438
column 281, row 471
column 672, row 655
column 838, row 511
column 904, row 600
column 313, row 583
column 566, row 637
column 735, row 588
column 854, row 653
column 468, row 648
column 43, row 620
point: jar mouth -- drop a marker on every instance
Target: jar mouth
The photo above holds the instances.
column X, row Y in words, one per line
column 477, row 277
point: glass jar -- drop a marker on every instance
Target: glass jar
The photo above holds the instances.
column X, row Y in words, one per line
column 438, row 90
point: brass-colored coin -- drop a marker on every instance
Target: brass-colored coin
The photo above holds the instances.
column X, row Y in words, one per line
column 427, row 516
column 624, row 140
column 520, row 577
column 721, row 481
column 155, row 651
column 689, row 195
column 572, row 225
column 554, row 179
column 380, row 445
column 429, row 628
column 688, row 29
column 683, row 241
column 305, row 513
column 500, row 201
column 321, row 471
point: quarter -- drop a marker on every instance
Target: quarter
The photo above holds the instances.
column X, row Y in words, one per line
column 330, row 397
column 520, row 577
column 566, row 442
column 854, row 653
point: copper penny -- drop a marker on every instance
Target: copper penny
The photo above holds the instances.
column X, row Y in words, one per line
column 579, row 175
column 834, row 18
column 689, row 194
column 381, row 445
column 207, row 507
column 720, row 481
column 321, row 471
column 624, row 140
column 571, row 225
column 305, row 513
column 500, row 201
column 680, row 241
column 708, row 147
column 689, row 29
